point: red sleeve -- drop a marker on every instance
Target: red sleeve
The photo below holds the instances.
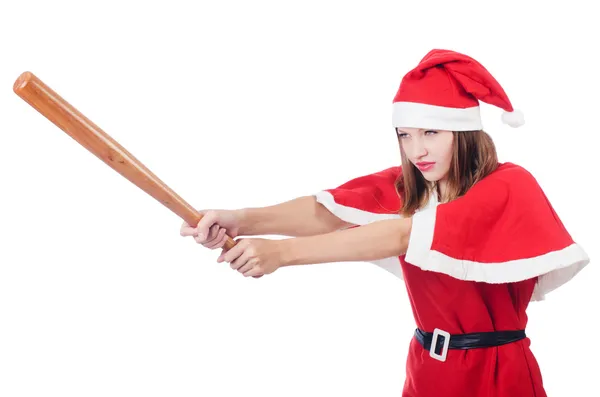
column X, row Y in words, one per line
column 364, row 199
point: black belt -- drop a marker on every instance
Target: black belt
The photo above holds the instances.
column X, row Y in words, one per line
column 464, row 341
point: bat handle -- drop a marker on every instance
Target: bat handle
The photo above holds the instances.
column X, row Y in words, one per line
column 229, row 244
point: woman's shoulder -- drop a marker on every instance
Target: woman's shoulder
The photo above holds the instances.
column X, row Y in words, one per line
column 386, row 175
column 510, row 168
column 375, row 180
column 511, row 173
column 509, row 179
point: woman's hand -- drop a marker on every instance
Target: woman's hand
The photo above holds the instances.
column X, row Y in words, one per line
column 255, row 257
column 212, row 229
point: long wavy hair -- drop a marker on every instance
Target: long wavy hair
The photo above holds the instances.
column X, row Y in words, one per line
column 474, row 157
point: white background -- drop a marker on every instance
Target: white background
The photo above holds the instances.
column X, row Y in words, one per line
column 237, row 104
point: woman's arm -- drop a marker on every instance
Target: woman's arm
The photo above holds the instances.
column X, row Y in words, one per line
column 377, row 240
column 302, row 216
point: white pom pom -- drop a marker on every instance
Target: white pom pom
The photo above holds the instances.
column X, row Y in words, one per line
column 514, row 119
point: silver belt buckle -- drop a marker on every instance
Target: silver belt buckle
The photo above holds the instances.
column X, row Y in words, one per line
column 436, row 333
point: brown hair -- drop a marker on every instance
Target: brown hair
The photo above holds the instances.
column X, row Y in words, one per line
column 473, row 158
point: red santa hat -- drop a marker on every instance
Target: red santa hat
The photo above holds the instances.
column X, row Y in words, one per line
column 443, row 92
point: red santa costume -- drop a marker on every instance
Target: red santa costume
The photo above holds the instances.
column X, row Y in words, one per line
column 473, row 264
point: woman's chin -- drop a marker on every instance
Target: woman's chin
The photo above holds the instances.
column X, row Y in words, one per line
column 430, row 178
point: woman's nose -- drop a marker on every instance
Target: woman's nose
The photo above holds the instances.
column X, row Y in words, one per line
column 420, row 148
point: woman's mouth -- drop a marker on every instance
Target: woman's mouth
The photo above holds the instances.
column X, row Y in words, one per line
column 425, row 165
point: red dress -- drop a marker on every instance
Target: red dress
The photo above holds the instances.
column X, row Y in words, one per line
column 472, row 265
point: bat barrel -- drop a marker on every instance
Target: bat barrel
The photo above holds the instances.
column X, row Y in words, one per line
column 48, row 103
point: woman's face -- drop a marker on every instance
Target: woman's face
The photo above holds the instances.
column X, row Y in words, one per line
column 429, row 150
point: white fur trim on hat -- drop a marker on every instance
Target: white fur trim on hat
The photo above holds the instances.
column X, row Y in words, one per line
column 421, row 115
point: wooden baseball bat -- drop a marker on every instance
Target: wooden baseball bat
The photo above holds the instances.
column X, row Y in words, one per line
column 89, row 135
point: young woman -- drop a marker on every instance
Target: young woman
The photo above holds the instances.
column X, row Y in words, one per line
column 473, row 239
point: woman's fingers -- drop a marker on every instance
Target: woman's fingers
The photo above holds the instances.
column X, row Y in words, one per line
column 216, row 242
column 187, row 230
column 248, row 265
column 241, row 260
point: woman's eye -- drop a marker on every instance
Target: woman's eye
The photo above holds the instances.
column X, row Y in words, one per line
column 432, row 131
column 402, row 135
